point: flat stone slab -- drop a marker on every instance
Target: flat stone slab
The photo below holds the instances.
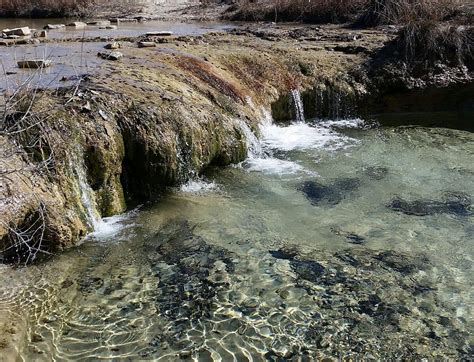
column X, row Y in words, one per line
column 123, row 20
column 77, row 25
column 99, row 23
column 159, row 33
column 34, row 64
column 54, row 26
column 17, row 31
column 146, row 44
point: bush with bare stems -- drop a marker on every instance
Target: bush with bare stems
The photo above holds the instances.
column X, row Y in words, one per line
column 27, row 154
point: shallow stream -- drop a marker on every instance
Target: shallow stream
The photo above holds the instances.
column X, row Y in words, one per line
column 333, row 239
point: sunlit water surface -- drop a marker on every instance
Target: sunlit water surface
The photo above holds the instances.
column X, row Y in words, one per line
column 295, row 253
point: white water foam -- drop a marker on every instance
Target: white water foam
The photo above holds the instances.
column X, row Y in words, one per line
column 198, row 186
column 345, row 123
column 300, row 136
column 272, row 165
column 111, row 226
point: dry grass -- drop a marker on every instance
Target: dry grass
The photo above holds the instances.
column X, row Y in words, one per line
column 433, row 41
column 401, row 12
column 64, row 8
column 311, row 11
column 362, row 12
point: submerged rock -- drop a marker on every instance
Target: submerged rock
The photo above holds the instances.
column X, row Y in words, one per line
column 34, row 64
column 191, row 272
column 454, row 203
column 376, row 172
column 379, row 297
column 352, row 238
column 317, row 193
column 332, row 194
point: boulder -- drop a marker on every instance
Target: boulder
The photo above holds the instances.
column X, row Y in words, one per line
column 114, row 45
column 54, row 26
column 17, row 31
column 34, row 64
column 108, row 27
column 146, row 44
column 77, row 25
column 40, row 34
column 110, row 56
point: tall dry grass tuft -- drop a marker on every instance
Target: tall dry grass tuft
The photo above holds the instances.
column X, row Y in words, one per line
column 432, row 42
column 400, row 12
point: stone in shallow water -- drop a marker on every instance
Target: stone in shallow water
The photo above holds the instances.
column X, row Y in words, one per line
column 54, row 26
column 376, row 172
column 454, row 203
column 188, row 267
column 318, row 193
column 307, row 269
column 352, row 238
column 17, row 31
column 34, row 64
column 332, row 194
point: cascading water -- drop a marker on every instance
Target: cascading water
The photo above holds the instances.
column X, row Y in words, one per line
column 85, row 191
column 298, row 103
column 254, row 147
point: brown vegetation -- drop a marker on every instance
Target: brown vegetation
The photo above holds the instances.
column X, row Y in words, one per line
column 312, row 11
column 65, row 8
column 363, row 12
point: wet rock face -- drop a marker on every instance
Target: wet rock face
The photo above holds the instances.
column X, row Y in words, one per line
column 455, row 203
column 332, row 194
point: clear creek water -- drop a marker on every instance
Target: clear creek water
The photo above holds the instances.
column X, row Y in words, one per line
column 333, row 239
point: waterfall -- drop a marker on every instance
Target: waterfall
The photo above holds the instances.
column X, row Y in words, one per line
column 298, row 103
column 85, row 191
column 254, row 147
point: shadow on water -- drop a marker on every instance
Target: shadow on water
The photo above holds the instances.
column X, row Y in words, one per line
column 454, row 120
